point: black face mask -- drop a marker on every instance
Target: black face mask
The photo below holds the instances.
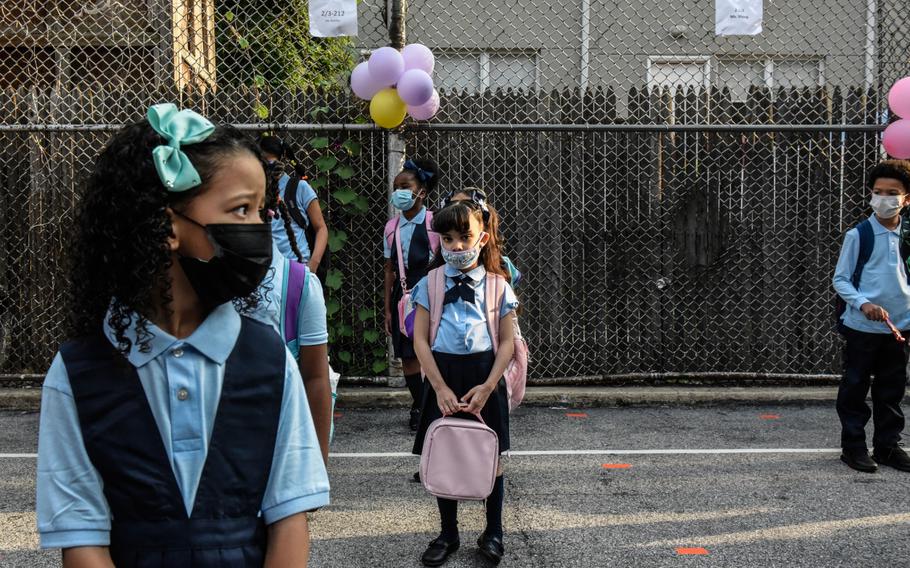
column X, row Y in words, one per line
column 243, row 256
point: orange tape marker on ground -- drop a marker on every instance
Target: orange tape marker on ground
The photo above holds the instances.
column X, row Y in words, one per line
column 617, row 465
column 682, row 551
column 769, row 416
column 577, row 414
column 338, row 415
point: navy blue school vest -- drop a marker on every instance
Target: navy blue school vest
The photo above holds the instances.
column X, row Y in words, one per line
column 149, row 526
column 418, row 256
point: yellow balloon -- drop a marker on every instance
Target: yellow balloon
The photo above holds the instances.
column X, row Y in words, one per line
column 387, row 109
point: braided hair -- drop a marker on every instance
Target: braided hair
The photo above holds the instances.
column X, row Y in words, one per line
column 275, row 171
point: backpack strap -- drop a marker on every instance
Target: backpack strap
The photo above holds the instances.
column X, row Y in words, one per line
column 389, row 232
column 294, row 298
column 436, row 288
column 494, row 292
column 402, row 274
column 866, row 244
column 290, row 201
column 434, row 237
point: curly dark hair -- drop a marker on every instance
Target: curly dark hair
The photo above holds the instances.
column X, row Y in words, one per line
column 894, row 169
column 429, row 166
column 119, row 257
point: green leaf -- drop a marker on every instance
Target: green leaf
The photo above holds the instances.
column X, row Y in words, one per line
column 346, row 331
column 320, row 110
column 229, row 16
column 332, row 306
column 371, row 335
column 364, row 315
column 379, row 352
column 244, row 43
column 345, row 195
column 318, row 183
column 259, row 81
column 326, row 163
column 337, row 239
column 345, row 172
column 319, row 143
column 361, row 120
column 380, row 366
column 352, row 147
column 345, row 356
column 262, row 111
column 361, row 204
column 333, row 279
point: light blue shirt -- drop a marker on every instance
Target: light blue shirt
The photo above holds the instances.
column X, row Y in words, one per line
column 407, row 227
column 311, row 318
column 305, row 196
column 463, row 326
column 72, row 509
column 882, row 282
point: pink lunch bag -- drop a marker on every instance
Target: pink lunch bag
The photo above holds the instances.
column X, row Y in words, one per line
column 460, row 458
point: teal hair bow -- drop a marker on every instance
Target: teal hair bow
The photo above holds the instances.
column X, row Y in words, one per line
column 178, row 128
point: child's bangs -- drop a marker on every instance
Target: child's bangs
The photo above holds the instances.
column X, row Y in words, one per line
column 455, row 217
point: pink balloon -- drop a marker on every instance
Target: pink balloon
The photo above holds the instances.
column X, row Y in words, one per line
column 386, row 66
column 899, row 98
column 415, row 87
column 427, row 110
column 362, row 82
column 418, row 56
column 896, row 139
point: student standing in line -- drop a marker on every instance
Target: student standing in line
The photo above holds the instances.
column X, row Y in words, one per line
column 872, row 280
column 175, row 431
column 410, row 233
column 299, row 214
column 463, row 373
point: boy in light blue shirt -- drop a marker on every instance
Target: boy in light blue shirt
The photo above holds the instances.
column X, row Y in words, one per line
column 872, row 279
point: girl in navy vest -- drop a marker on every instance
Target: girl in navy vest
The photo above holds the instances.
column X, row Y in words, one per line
column 289, row 235
column 419, row 245
column 463, row 373
column 175, row 431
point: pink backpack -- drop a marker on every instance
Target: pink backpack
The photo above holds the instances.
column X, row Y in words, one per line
column 460, row 458
column 516, row 374
column 406, row 308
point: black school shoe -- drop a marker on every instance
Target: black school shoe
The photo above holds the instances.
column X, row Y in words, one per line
column 414, row 422
column 858, row 459
column 894, row 457
column 438, row 552
column 490, row 547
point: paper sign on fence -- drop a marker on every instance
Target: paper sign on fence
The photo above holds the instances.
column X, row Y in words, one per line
column 333, row 18
column 738, row 17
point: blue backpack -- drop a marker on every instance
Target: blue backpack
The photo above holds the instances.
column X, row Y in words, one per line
column 866, row 244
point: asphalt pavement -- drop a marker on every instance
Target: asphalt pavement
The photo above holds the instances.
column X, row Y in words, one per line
column 656, row 486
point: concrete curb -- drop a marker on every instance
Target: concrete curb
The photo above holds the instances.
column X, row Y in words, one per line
column 28, row 399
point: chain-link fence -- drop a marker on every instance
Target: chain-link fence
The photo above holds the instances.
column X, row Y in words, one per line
column 675, row 198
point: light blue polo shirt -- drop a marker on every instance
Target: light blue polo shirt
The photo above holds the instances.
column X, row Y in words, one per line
column 463, row 326
column 882, row 282
column 312, row 328
column 72, row 509
column 407, row 227
column 305, row 196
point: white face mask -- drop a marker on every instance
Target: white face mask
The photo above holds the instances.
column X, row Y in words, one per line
column 886, row 206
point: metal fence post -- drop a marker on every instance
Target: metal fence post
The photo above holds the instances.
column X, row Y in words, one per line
column 395, row 150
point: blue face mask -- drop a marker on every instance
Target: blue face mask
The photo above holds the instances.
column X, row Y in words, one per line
column 403, row 199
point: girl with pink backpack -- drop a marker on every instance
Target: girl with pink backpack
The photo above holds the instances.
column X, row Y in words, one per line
column 409, row 245
column 464, row 368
